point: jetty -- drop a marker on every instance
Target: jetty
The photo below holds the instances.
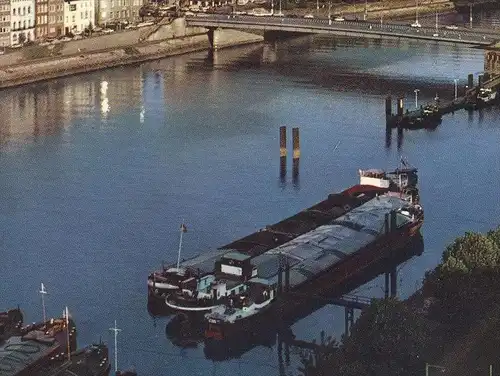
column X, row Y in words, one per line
column 429, row 116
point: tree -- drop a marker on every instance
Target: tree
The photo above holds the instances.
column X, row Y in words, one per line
column 494, row 235
column 469, row 252
column 389, row 338
column 22, row 38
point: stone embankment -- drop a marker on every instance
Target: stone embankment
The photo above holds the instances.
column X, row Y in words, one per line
column 38, row 63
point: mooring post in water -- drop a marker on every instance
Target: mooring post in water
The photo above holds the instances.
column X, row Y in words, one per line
column 296, row 155
column 470, row 80
column 486, row 77
column 400, row 108
column 388, row 106
column 480, row 80
column 282, row 153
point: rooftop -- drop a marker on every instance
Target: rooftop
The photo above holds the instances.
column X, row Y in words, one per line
column 236, row 256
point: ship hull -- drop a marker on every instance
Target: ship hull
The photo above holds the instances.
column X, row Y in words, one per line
column 333, row 207
column 322, row 284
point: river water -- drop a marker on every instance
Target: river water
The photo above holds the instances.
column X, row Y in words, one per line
column 98, row 171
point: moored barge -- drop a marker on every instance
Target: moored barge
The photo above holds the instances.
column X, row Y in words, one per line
column 318, row 261
column 231, row 271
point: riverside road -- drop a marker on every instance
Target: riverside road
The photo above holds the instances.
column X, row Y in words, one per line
column 348, row 28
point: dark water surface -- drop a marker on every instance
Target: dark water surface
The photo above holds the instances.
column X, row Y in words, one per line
column 97, row 172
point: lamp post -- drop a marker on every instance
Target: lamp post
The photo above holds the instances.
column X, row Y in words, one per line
column 427, row 366
column 329, row 13
column 317, row 4
column 416, row 97
column 456, row 87
column 470, row 15
column 366, row 10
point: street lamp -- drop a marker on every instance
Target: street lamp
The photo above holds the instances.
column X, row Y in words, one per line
column 416, row 97
column 329, row 13
column 427, row 366
column 455, row 80
column 366, row 10
column 470, row 15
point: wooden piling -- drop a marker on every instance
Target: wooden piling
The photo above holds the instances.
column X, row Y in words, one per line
column 296, row 143
column 388, row 106
column 486, row 76
column 400, row 107
column 480, row 80
column 283, row 154
column 282, row 141
column 470, row 80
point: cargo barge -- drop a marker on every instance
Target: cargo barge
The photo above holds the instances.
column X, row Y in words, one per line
column 318, row 261
column 229, row 274
column 176, row 278
column 37, row 349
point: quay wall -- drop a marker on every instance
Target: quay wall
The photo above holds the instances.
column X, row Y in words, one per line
column 19, row 70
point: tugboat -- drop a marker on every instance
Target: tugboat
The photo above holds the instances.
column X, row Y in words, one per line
column 320, row 260
column 234, row 269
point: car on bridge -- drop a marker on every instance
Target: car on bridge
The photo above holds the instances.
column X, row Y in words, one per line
column 451, row 27
column 309, row 15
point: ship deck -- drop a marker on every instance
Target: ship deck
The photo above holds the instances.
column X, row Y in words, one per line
column 319, row 250
column 281, row 232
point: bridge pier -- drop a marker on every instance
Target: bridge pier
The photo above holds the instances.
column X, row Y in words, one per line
column 213, row 37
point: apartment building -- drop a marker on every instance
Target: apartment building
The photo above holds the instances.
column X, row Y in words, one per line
column 110, row 11
column 22, row 21
column 42, row 18
column 56, row 18
column 4, row 23
column 78, row 15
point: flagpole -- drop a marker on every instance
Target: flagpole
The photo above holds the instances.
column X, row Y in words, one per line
column 43, row 292
column 116, row 330
column 67, row 332
column 180, row 245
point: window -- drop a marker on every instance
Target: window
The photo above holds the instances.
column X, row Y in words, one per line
column 14, row 24
column 14, row 11
column 24, row 11
column 73, row 18
column 72, row 8
column 29, row 9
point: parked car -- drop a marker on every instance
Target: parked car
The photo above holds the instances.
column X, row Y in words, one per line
column 416, row 24
column 189, row 14
column 339, row 19
column 108, row 31
column 451, row 27
column 309, row 15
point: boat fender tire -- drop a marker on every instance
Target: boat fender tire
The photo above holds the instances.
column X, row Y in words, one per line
column 347, row 207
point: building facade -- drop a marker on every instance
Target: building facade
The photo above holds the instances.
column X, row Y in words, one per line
column 22, row 21
column 42, row 18
column 112, row 11
column 56, row 18
column 78, row 15
column 4, row 23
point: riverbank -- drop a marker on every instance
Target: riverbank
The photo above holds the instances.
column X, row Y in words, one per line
column 43, row 67
column 451, row 322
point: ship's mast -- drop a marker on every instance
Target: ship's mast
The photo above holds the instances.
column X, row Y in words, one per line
column 116, row 330
column 182, row 231
column 43, row 292
column 66, row 314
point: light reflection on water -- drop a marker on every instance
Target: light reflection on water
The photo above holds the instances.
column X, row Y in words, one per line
column 98, row 170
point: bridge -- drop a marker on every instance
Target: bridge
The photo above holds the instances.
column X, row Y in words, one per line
column 346, row 28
